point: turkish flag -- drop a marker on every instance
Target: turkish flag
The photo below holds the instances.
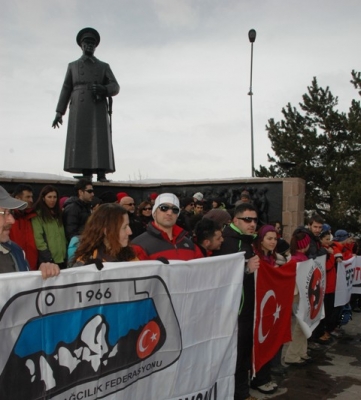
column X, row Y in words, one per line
column 274, row 289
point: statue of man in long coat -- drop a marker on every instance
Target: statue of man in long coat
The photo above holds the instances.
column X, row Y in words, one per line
column 89, row 86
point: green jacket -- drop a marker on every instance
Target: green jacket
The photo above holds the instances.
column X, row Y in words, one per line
column 50, row 240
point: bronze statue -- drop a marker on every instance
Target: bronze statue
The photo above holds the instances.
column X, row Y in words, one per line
column 89, row 86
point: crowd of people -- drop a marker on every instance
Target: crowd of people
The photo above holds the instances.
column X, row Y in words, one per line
column 54, row 233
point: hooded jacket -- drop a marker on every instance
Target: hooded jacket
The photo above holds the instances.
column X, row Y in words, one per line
column 22, row 234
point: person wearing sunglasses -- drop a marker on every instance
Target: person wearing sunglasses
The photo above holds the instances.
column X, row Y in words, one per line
column 134, row 222
column 12, row 256
column 239, row 236
column 77, row 209
column 145, row 213
column 164, row 239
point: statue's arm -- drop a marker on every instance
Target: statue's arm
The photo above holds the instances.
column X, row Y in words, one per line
column 57, row 120
column 111, row 85
column 64, row 98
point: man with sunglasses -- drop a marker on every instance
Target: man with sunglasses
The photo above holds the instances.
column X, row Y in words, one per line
column 12, row 257
column 239, row 236
column 134, row 223
column 77, row 209
column 163, row 238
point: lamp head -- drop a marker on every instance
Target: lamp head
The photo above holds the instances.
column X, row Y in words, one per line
column 252, row 35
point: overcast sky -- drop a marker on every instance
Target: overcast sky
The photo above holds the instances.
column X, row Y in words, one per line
column 184, row 69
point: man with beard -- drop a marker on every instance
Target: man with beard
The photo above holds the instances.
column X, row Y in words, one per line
column 208, row 236
column 77, row 209
column 12, row 258
column 314, row 230
column 22, row 230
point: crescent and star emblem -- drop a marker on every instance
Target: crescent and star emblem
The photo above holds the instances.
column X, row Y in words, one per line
column 153, row 338
column 269, row 294
column 148, row 339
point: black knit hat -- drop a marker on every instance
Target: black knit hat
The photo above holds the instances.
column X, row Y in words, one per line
column 282, row 246
column 186, row 201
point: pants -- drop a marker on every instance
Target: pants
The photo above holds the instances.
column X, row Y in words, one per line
column 244, row 356
column 298, row 347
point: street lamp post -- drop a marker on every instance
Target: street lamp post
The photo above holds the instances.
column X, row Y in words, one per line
column 252, row 38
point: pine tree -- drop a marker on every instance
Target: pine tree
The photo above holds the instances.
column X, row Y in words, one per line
column 324, row 146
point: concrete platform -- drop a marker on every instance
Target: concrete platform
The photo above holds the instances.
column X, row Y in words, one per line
column 335, row 372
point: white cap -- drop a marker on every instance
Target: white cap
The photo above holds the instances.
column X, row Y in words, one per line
column 198, row 196
column 165, row 198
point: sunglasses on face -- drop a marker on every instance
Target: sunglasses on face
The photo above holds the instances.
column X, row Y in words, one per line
column 129, row 204
column 147, row 208
column 165, row 208
column 89, row 190
column 248, row 220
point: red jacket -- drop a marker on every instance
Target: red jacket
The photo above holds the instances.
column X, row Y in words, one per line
column 344, row 249
column 22, row 234
column 154, row 244
column 331, row 272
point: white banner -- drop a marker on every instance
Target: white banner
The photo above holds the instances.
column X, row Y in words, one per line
column 136, row 330
column 344, row 282
column 311, row 283
column 356, row 285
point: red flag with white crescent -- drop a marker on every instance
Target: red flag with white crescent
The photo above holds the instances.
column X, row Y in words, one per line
column 148, row 339
column 274, row 289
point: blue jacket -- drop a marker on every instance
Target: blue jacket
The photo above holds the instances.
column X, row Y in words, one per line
column 17, row 254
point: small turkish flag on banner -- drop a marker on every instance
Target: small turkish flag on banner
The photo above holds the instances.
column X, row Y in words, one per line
column 274, row 289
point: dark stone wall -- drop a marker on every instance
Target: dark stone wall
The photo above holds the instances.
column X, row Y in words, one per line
column 265, row 194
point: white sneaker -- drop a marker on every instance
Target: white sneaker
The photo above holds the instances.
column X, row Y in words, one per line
column 274, row 384
column 267, row 388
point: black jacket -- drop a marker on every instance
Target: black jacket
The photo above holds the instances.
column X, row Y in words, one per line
column 235, row 242
column 135, row 225
column 315, row 249
column 76, row 213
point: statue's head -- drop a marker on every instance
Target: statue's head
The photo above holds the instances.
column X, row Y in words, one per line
column 88, row 39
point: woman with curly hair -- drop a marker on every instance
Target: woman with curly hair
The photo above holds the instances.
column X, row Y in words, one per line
column 48, row 227
column 106, row 237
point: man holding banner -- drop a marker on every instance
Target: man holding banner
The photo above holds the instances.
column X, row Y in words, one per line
column 12, row 257
column 238, row 237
